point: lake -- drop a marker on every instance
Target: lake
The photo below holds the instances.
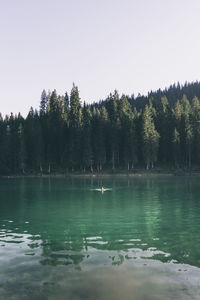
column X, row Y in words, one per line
column 60, row 238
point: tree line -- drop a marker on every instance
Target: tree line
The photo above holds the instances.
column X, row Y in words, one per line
column 66, row 136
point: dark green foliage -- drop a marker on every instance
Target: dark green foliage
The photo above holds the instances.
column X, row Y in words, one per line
column 128, row 138
column 176, row 147
column 195, row 122
column 99, row 136
column 112, row 134
column 21, row 149
column 112, row 106
column 44, row 103
column 86, row 142
column 75, row 129
column 164, row 126
column 150, row 137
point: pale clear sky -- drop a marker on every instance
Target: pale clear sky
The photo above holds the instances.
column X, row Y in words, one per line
column 101, row 45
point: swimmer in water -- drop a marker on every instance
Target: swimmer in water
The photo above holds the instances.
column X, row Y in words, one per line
column 102, row 189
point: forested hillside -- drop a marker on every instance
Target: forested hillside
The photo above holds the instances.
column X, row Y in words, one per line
column 161, row 130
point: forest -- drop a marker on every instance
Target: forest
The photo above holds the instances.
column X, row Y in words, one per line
column 160, row 130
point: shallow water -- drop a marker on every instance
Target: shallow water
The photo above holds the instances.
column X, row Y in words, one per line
column 62, row 239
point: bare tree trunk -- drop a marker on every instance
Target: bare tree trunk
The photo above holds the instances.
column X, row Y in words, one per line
column 189, row 157
column 91, row 168
column 113, row 160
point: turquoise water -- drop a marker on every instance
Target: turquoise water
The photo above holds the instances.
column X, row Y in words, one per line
column 63, row 239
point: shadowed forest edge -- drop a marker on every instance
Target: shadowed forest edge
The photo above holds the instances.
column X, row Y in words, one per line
column 160, row 131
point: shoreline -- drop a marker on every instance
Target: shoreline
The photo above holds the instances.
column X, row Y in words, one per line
column 100, row 175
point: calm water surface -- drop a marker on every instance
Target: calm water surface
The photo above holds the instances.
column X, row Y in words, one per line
column 62, row 239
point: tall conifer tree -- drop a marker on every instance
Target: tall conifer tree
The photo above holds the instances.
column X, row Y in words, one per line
column 150, row 138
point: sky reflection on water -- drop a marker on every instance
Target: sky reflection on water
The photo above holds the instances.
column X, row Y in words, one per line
column 62, row 240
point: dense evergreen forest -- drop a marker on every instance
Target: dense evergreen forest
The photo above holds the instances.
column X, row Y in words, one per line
column 118, row 133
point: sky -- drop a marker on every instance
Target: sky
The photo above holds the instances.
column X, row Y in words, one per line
column 133, row 46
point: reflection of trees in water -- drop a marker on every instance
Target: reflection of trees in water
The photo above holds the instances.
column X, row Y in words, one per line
column 67, row 213
column 62, row 259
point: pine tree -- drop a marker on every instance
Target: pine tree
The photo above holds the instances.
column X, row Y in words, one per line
column 75, row 117
column 99, row 136
column 176, row 147
column 112, row 106
column 8, row 150
column 22, row 149
column 30, row 135
column 43, row 103
column 54, row 128
column 186, row 132
column 195, row 121
column 189, row 141
column 4, row 147
column 150, row 138
column 128, row 133
column 164, row 126
column 86, row 146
